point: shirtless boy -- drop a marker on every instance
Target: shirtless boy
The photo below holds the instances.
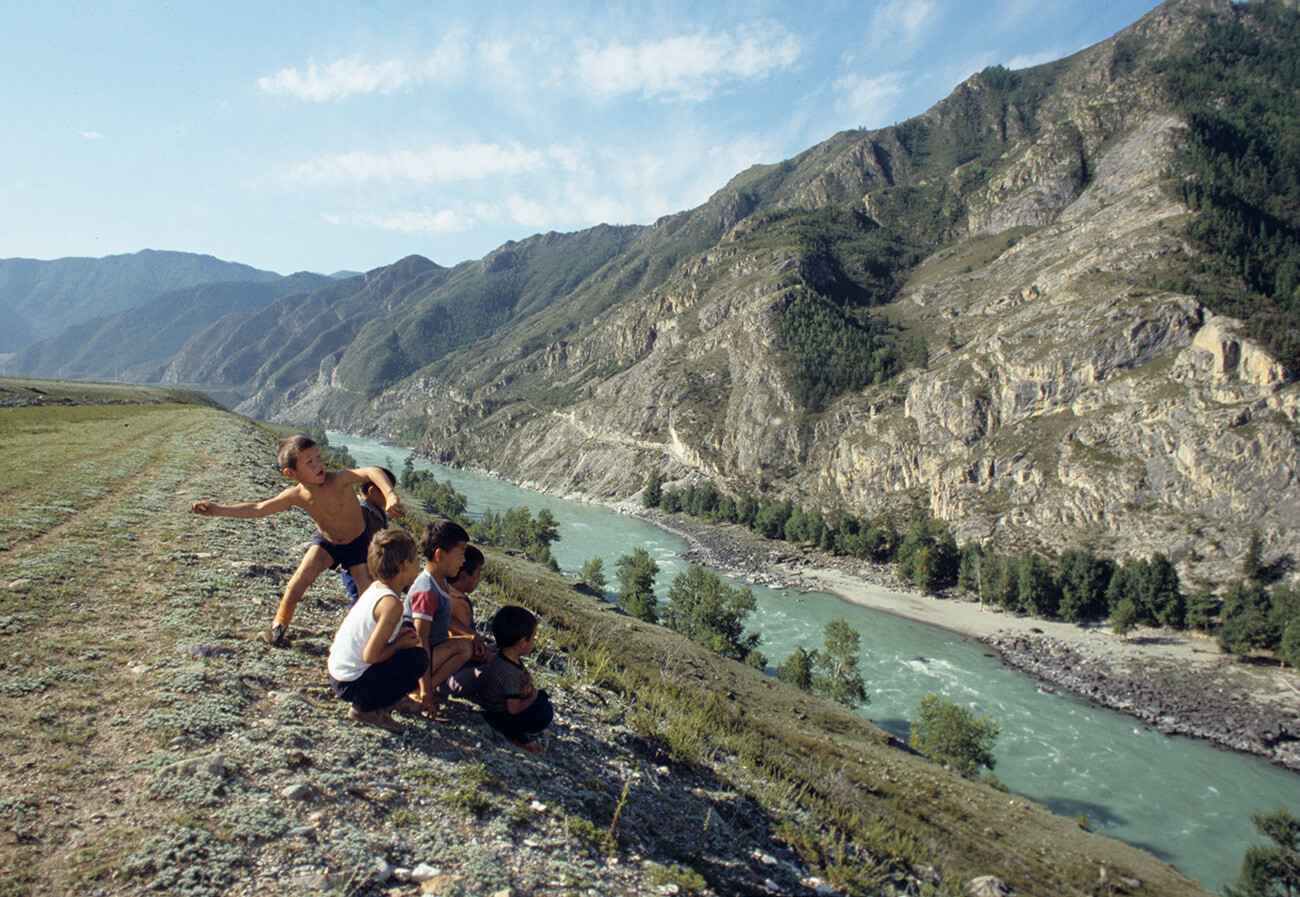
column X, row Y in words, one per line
column 328, row 497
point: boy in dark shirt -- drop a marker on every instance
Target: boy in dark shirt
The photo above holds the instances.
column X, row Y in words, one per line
column 511, row 703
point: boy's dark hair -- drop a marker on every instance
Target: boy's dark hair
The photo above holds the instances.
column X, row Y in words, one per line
column 367, row 484
column 441, row 533
column 513, row 624
column 389, row 549
column 473, row 560
column 290, row 449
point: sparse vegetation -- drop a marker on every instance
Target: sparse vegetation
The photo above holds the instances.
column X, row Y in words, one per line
column 855, row 809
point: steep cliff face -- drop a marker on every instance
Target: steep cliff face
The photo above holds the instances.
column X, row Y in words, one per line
column 1065, row 403
column 1068, row 400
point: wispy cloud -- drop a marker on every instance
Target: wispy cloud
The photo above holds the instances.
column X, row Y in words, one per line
column 436, row 164
column 346, row 77
column 1028, row 62
column 867, row 100
column 901, row 23
column 445, row 221
column 689, row 67
column 92, row 135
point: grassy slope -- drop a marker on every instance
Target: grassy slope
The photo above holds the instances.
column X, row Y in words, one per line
column 105, row 579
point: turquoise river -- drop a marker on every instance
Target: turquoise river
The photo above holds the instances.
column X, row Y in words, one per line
column 1184, row 800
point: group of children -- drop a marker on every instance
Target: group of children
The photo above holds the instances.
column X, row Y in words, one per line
column 409, row 638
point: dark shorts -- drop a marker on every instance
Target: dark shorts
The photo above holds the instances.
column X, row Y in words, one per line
column 348, row 555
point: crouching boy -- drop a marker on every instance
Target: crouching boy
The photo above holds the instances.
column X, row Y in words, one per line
column 374, row 660
column 511, row 703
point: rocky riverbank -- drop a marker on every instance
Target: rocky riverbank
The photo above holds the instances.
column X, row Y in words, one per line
column 1221, row 703
column 1176, row 682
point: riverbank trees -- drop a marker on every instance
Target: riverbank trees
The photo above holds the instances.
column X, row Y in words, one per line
column 1077, row 586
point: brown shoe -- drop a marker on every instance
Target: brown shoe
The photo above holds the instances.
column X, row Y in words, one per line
column 377, row 718
column 408, row 705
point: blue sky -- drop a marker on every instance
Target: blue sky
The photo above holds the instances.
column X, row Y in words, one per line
column 345, row 135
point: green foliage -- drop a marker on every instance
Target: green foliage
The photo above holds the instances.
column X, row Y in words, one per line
column 952, row 735
column 1271, row 870
column 1245, row 626
column 1252, row 564
column 652, row 493
column 1124, row 618
column 831, row 352
column 593, row 574
column 683, row 879
column 1084, row 578
column 1202, row 608
column 711, row 613
column 927, row 556
column 517, row 528
column 797, row 669
column 1151, row 588
column 999, row 77
column 1038, row 592
column 849, row 264
column 1239, row 90
column 836, row 673
column 1289, row 650
column 437, row 498
column 636, row 574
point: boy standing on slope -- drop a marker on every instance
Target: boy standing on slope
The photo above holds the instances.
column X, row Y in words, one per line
column 327, row 496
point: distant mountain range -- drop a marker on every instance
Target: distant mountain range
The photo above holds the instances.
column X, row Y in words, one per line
column 1020, row 310
column 43, row 298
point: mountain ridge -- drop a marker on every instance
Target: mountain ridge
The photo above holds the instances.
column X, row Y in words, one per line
column 49, row 296
column 989, row 310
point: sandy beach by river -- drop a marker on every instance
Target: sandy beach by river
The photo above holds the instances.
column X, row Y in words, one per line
column 970, row 619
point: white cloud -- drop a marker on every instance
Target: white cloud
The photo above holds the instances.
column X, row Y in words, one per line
column 1027, row 62
column 345, row 77
column 690, row 67
column 868, row 101
column 446, row 221
column 900, row 23
column 437, row 164
column 92, row 135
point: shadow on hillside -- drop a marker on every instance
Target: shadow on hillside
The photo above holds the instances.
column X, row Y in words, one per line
column 1098, row 816
column 626, row 784
column 899, row 728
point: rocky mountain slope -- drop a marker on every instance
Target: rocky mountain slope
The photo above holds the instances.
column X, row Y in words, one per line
column 1070, row 397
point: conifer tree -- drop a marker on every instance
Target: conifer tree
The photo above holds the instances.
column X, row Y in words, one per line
column 636, row 574
column 593, row 574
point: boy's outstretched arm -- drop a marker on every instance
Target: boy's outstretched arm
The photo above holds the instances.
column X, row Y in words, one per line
column 282, row 502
